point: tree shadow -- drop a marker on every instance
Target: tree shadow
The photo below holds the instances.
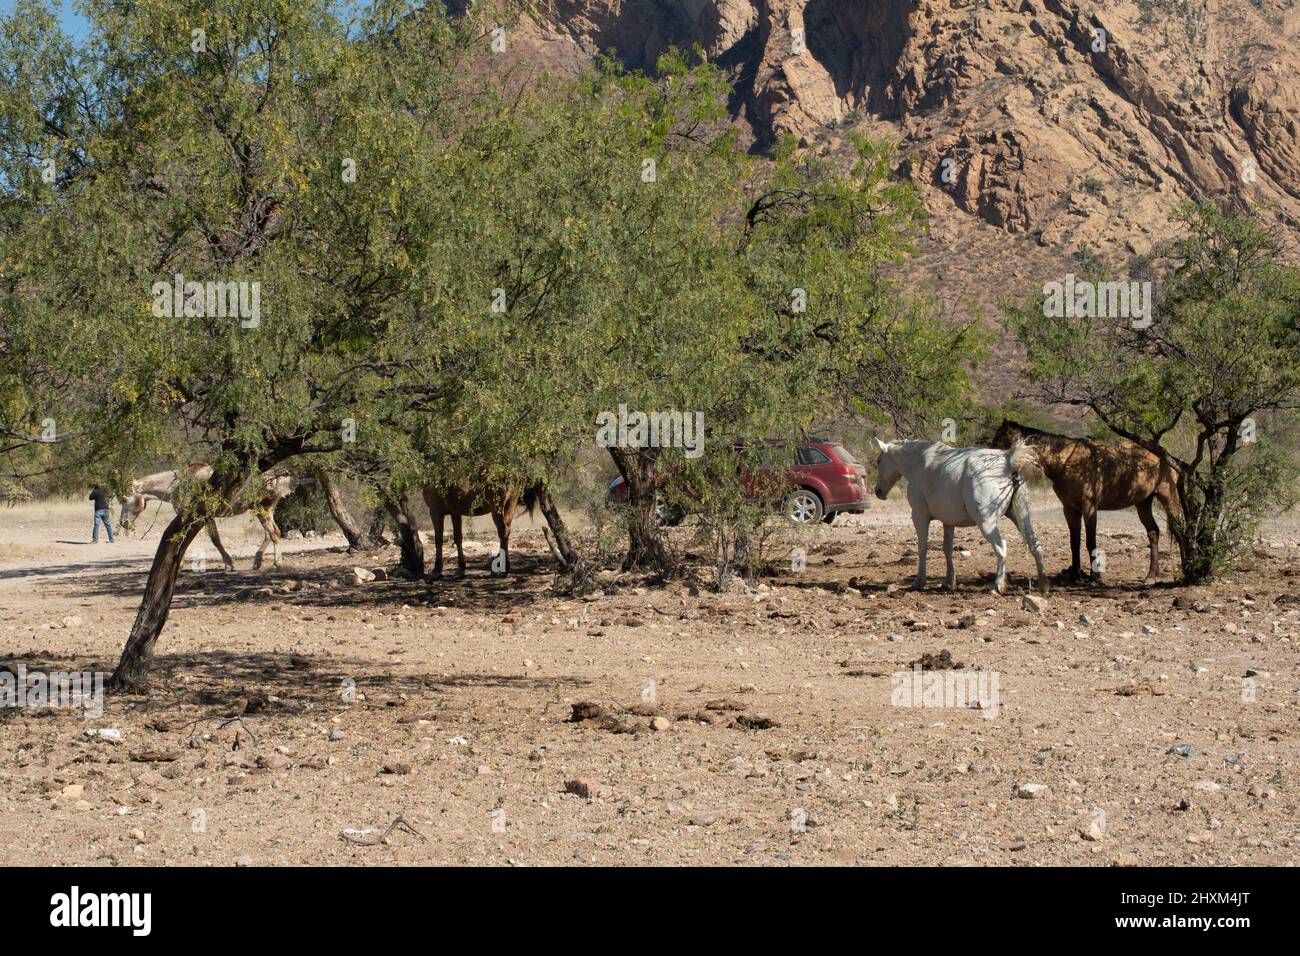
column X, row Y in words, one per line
column 319, row 587
column 263, row 684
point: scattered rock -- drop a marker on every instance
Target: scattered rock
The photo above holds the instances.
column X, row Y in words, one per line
column 942, row 661
column 585, row 788
column 754, row 722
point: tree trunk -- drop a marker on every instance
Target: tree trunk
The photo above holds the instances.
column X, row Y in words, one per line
column 408, row 534
column 561, row 543
column 378, row 526
column 132, row 673
column 645, row 538
column 358, row 540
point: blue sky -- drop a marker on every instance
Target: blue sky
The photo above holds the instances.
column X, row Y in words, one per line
column 73, row 23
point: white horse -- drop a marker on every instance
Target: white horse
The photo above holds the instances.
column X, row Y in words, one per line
column 165, row 486
column 962, row 487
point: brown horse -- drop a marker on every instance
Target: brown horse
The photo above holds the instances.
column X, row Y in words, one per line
column 466, row 500
column 1089, row 476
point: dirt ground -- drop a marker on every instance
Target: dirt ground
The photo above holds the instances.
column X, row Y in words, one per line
column 1123, row 730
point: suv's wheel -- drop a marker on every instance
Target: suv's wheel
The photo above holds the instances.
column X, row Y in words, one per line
column 803, row 507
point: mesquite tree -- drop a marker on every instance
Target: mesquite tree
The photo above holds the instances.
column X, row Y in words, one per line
column 1207, row 384
column 241, row 252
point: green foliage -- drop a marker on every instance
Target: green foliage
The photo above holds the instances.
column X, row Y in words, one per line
column 501, row 268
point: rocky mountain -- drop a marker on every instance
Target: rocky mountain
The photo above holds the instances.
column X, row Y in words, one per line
column 1037, row 130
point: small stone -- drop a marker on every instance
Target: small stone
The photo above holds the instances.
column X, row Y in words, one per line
column 1094, row 831
column 1030, row 791
column 1149, row 630
column 582, row 787
column 362, row 576
column 660, row 723
column 1032, row 602
column 73, row 791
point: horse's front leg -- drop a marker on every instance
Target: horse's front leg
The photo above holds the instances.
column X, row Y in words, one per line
column 1098, row 560
column 922, row 525
column 1073, row 520
column 950, row 579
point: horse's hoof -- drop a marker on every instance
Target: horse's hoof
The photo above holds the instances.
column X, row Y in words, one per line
column 917, row 586
column 948, row 586
column 435, row 575
column 460, row 573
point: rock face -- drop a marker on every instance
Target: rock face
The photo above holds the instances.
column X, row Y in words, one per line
column 1066, row 125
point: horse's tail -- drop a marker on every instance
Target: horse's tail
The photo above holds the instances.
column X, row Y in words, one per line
column 530, row 497
column 1023, row 460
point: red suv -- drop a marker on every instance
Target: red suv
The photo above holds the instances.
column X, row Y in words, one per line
column 823, row 480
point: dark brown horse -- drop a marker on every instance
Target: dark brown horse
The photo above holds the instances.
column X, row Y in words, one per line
column 467, row 500
column 1089, row 476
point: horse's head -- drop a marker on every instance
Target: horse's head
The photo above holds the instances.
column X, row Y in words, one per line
column 132, row 507
column 888, row 470
column 1008, row 434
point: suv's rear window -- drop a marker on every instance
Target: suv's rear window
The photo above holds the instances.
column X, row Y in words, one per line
column 843, row 455
column 810, row 456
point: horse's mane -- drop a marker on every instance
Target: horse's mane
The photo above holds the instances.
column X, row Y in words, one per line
column 1053, row 440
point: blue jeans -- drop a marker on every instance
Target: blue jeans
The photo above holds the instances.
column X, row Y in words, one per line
column 101, row 514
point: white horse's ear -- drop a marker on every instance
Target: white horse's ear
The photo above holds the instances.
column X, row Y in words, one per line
column 883, row 446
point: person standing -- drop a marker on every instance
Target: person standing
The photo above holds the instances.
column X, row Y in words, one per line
column 100, row 498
